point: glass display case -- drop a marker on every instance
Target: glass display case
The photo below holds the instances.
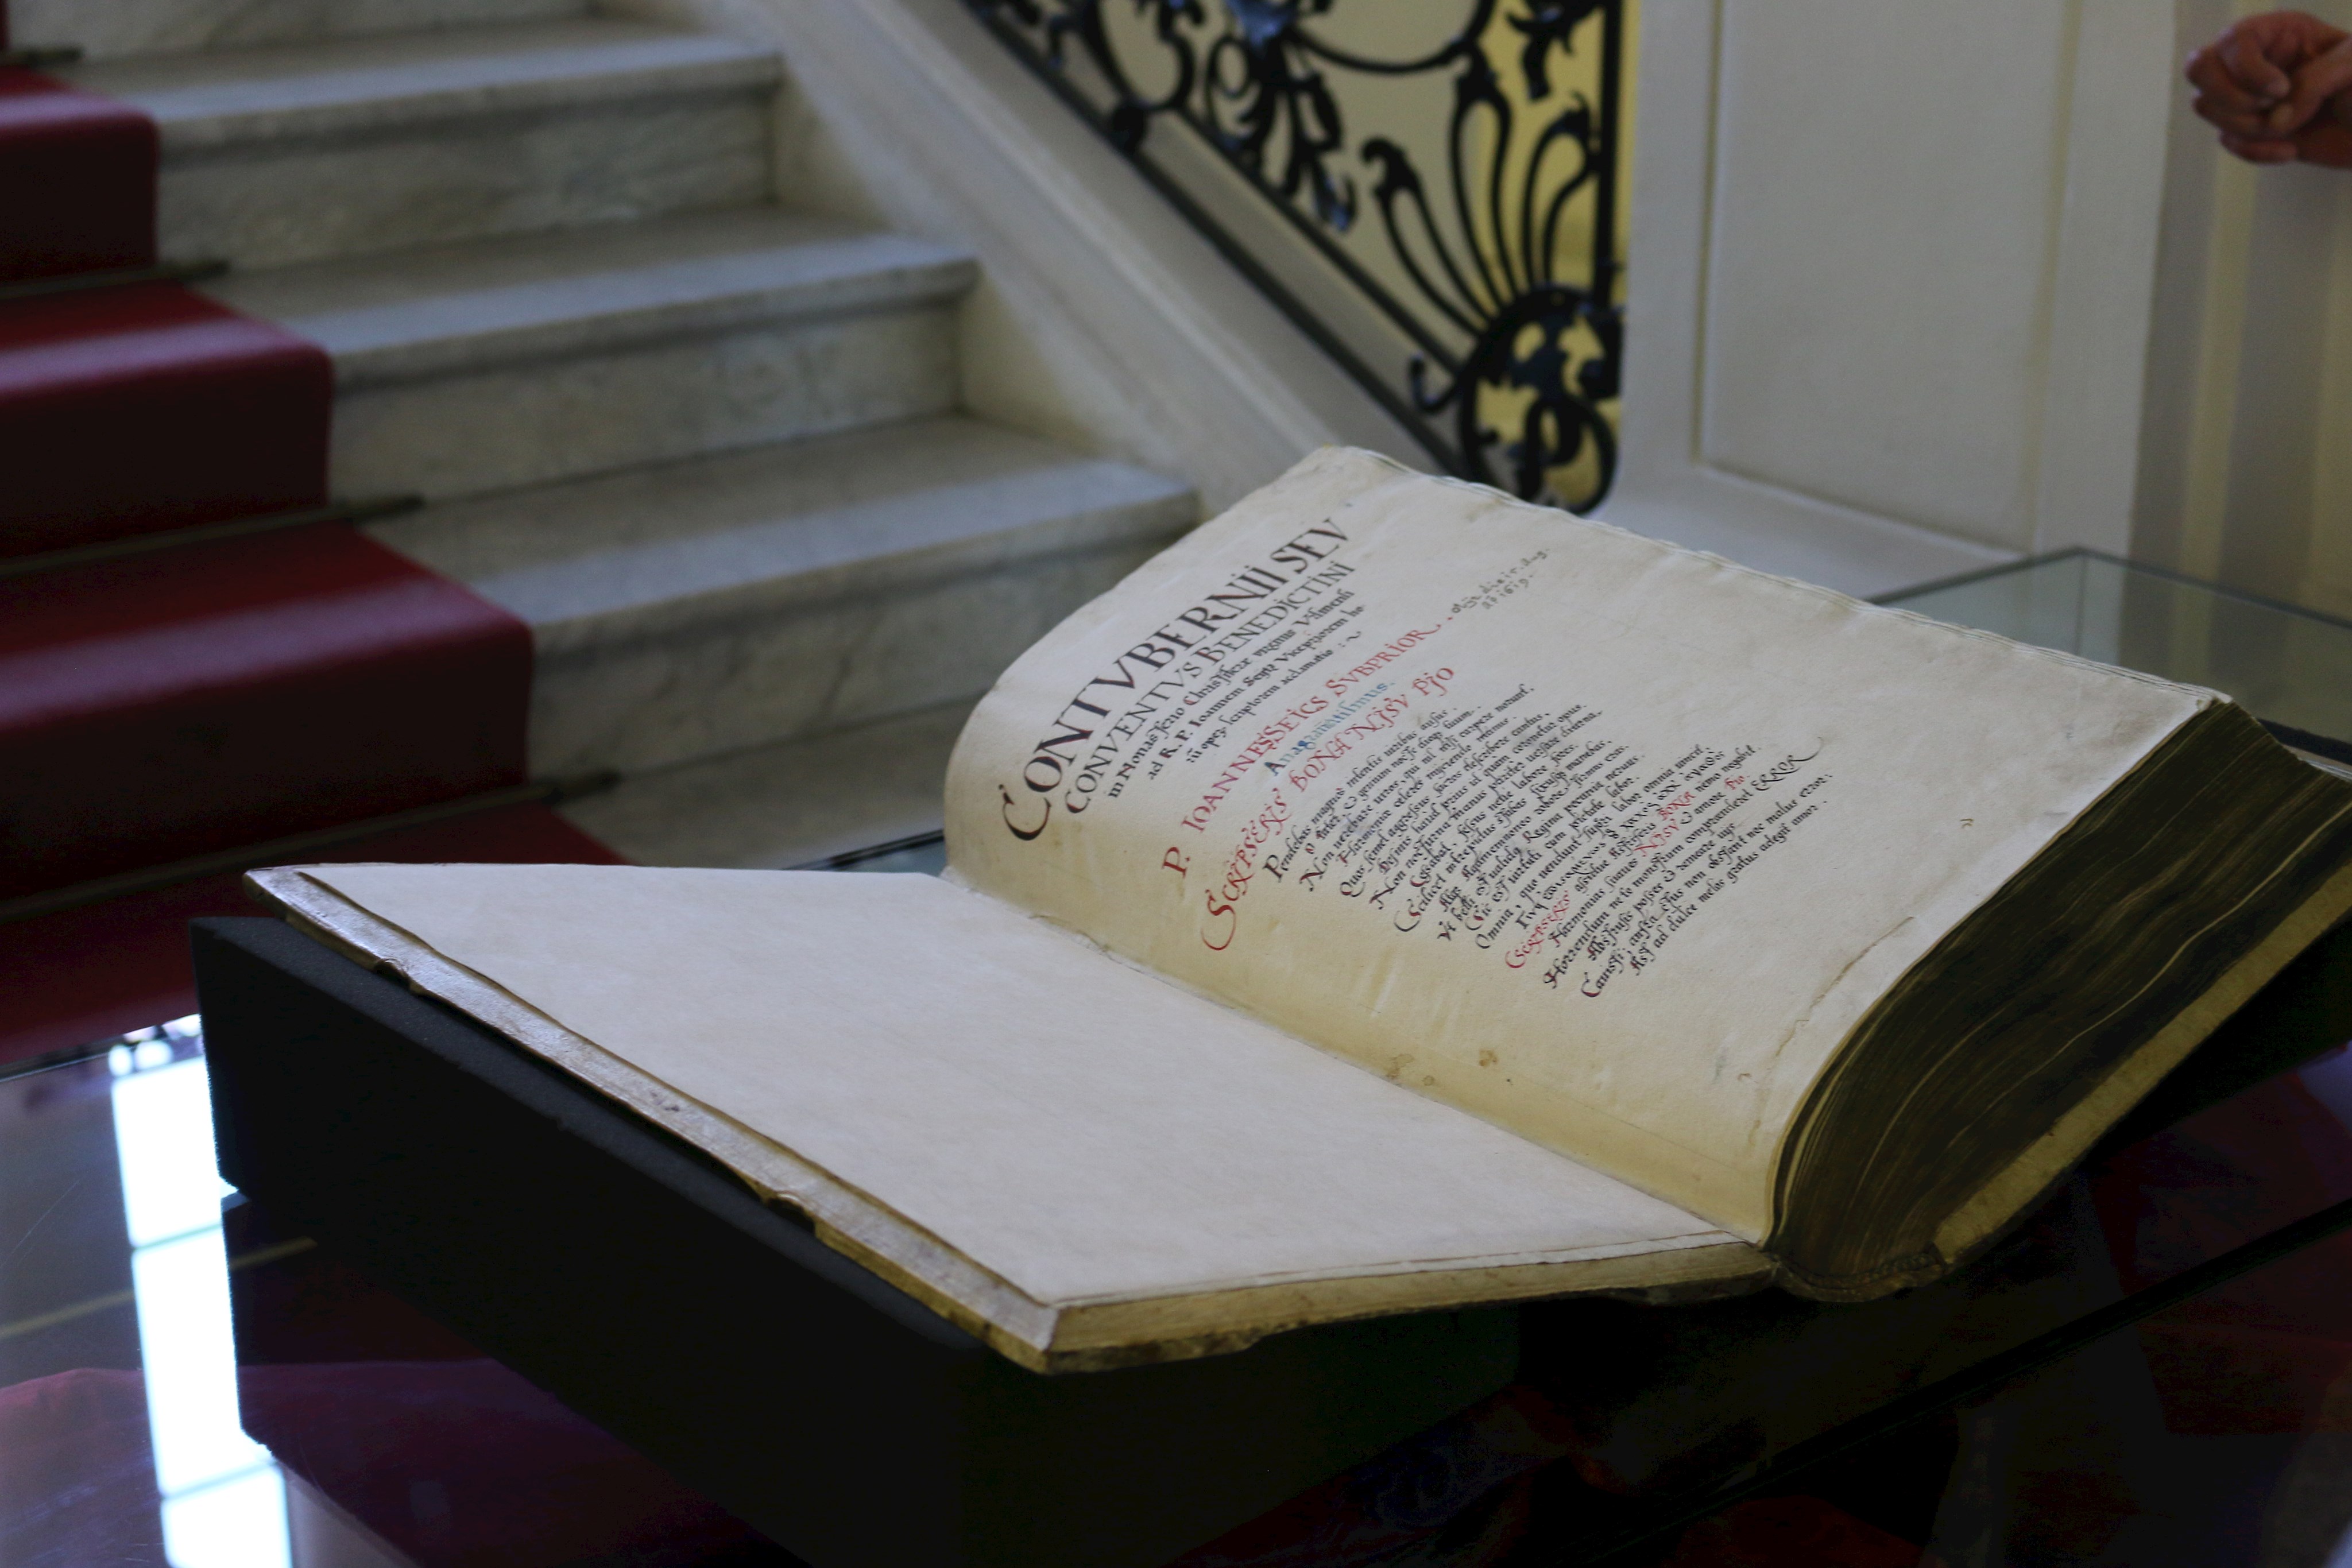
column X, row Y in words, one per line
column 2289, row 666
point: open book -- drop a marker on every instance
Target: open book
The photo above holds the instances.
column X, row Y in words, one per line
column 1396, row 897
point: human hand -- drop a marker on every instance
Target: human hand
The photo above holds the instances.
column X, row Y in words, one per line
column 2275, row 85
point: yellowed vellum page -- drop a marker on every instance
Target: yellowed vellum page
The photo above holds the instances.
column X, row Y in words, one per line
column 1085, row 1132
column 1608, row 842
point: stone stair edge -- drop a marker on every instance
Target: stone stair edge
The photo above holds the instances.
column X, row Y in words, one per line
column 1106, row 531
column 332, row 88
column 740, row 543
column 786, row 802
column 115, row 29
column 399, row 316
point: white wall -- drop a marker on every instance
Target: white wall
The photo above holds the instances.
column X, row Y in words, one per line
column 1892, row 274
column 2246, row 466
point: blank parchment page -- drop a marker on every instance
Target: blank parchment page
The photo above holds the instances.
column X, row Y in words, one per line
column 1086, row 1131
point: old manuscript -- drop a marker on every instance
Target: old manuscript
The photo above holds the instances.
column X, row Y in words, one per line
column 1396, row 896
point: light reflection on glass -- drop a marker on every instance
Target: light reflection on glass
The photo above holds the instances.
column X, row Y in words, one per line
column 2282, row 663
column 224, row 1500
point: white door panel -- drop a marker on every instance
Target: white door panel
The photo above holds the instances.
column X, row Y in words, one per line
column 1891, row 273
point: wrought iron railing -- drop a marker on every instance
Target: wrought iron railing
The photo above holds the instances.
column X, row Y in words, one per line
column 1482, row 307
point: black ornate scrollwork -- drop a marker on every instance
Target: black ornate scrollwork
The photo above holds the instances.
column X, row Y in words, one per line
column 1494, row 256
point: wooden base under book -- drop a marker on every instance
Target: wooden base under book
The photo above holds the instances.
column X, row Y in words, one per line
column 648, row 1288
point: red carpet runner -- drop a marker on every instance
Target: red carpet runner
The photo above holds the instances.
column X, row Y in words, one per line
column 212, row 694
column 131, row 410
column 77, row 181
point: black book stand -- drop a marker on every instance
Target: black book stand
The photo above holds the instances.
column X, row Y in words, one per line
column 652, row 1291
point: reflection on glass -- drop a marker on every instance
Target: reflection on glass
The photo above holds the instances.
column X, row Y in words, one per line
column 224, row 1501
column 928, row 858
column 2289, row 665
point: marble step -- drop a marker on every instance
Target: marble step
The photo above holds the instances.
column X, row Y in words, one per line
column 109, row 29
column 776, row 807
column 304, row 152
column 705, row 608
column 517, row 361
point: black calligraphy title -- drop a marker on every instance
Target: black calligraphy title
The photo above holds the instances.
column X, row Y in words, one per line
column 1254, row 599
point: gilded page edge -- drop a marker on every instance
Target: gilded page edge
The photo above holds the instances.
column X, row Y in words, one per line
column 1986, row 1215
column 1113, row 1333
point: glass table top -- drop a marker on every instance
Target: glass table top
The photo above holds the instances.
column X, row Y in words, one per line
column 183, row 1382
column 2286, row 665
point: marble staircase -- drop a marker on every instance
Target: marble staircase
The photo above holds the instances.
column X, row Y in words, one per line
column 352, row 145
column 109, row 29
column 522, row 359
column 705, row 445
column 702, row 609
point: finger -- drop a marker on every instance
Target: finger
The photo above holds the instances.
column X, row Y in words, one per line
column 2329, row 146
column 2228, row 110
column 2250, row 64
column 2324, row 143
column 2287, row 38
column 2259, row 150
column 2210, row 75
column 2312, row 36
column 2318, row 80
column 2238, row 121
